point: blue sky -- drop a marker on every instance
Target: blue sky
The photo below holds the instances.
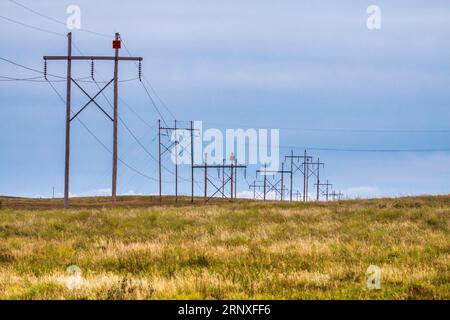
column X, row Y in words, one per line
column 309, row 65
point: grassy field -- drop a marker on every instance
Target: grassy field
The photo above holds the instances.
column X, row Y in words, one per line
column 141, row 250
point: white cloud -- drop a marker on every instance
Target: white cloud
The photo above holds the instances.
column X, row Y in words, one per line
column 361, row 192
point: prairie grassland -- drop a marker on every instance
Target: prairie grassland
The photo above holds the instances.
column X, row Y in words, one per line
column 141, row 250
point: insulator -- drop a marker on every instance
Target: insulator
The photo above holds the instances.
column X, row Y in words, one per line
column 92, row 69
column 140, row 71
column 45, row 69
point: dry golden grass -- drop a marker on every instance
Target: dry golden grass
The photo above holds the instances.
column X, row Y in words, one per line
column 143, row 250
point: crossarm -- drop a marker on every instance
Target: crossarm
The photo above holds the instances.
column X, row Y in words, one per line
column 93, row 58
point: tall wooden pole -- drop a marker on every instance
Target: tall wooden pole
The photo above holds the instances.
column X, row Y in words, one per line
column 206, row 178
column 318, row 180
column 116, row 82
column 192, row 162
column 69, row 58
column 292, row 173
column 265, row 182
column 232, row 180
column 223, row 179
column 159, row 160
column 282, row 181
column 235, row 179
column 307, row 178
column 176, row 163
column 305, row 168
column 67, row 155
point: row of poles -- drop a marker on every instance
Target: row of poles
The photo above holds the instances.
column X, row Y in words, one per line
column 227, row 185
column 303, row 164
column 70, row 115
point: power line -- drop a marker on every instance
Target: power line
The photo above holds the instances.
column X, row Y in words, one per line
column 42, row 79
column 35, row 70
column 28, row 68
column 101, row 142
column 60, row 34
column 32, row 27
column 51, row 32
column 89, row 31
column 35, row 12
column 32, row 79
column 339, row 129
column 153, row 89
column 162, row 102
column 137, row 114
column 123, row 101
column 36, row 79
column 127, row 127
column 56, row 20
column 153, row 103
column 158, row 97
column 367, row 150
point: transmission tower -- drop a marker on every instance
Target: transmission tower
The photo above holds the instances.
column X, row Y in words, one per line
column 116, row 44
column 163, row 148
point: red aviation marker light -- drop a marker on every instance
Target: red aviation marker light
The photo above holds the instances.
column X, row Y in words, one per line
column 116, row 44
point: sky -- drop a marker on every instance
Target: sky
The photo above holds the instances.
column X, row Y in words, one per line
column 311, row 69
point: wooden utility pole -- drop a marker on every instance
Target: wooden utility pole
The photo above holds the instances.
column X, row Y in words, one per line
column 255, row 186
column 335, row 194
column 305, row 177
column 292, row 172
column 223, row 178
column 235, row 178
column 206, row 178
column 116, row 83
column 265, row 180
column 68, row 110
column 163, row 148
column 322, row 191
column 297, row 194
column 303, row 168
column 233, row 166
column 159, row 160
column 282, row 180
column 273, row 186
column 192, row 161
column 176, row 162
column 232, row 180
column 69, row 58
column 318, row 164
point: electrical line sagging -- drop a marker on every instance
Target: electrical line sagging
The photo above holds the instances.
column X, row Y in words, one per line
column 94, row 33
column 31, row 79
column 154, row 104
column 151, row 87
column 54, row 20
column 428, row 150
column 31, row 26
column 102, row 143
